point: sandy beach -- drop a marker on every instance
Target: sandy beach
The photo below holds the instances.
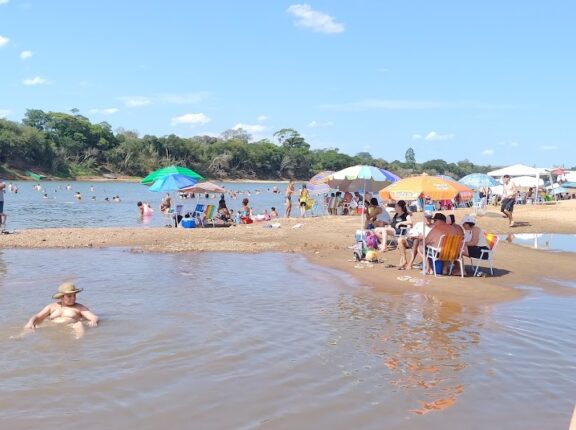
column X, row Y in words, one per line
column 327, row 240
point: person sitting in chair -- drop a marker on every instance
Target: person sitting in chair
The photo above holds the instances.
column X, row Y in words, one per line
column 401, row 221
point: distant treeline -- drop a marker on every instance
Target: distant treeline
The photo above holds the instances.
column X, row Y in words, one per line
column 69, row 145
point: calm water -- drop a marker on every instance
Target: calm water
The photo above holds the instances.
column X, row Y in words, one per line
column 198, row 341
column 544, row 241
column 30, row 209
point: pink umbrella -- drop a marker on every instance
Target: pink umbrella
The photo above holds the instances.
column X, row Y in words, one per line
column 203, row 187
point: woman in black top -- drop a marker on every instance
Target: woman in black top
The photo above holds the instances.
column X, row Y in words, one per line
column 400, row 224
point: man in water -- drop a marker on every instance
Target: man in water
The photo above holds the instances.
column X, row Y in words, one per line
column 288, row 197
column 66, row 311
column 2, row 214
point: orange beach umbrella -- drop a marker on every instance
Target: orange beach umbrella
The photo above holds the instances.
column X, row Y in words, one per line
column 432, row 186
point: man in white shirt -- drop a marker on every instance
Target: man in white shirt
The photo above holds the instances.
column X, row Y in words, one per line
column 508, row 198
column 414, row 241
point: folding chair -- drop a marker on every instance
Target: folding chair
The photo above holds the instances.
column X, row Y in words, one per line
column 486, row 254
column 449, row 251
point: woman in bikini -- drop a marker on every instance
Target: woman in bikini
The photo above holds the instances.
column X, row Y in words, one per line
column 66, row 311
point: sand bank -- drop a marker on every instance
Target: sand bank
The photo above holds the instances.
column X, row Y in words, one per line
column 327, row 241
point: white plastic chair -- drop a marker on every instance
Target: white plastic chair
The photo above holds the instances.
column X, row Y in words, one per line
column 486, row 254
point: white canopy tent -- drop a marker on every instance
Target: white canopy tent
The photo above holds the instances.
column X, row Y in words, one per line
column 522, row 170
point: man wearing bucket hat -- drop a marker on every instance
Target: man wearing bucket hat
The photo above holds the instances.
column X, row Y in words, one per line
column 66, row 311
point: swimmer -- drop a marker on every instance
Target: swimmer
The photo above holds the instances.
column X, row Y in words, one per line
column 66, row 311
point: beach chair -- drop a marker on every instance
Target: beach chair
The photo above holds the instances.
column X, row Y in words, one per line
column 449, row 251
column 206, row 217
column 486, row 254
column 392, row 241
column 177, row 216
column 480, row 207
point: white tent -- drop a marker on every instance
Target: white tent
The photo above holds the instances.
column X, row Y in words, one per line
column 518, row 170
column 527, row 181
column 522, row 170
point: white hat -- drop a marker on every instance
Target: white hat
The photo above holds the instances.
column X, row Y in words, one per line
column 468, row 219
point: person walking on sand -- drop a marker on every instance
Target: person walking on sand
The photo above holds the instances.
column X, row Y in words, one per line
column 508, row 198
column 2, row 214
column 288, row 197
column 65, row 311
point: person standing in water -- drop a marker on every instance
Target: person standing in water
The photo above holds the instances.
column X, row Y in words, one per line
column 65, row 311
column 288, row 197
column 2, row 214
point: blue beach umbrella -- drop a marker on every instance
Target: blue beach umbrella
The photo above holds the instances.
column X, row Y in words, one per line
column 172, row 183
column 478, row 180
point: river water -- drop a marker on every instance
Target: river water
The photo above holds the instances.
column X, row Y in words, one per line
column 54, row 205
column 195, row 340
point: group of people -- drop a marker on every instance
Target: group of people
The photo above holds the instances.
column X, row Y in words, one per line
column 410, row 239
column 304, row 200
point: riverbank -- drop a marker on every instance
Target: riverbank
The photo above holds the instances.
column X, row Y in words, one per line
column 327, row 241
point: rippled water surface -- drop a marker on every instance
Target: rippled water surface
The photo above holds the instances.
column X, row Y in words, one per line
column 225, row 341
column 31, row 209
column 544, row 241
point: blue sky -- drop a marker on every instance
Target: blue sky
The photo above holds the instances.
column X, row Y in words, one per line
column 490, row 81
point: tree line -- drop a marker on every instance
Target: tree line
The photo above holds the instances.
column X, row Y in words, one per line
column 68, row 145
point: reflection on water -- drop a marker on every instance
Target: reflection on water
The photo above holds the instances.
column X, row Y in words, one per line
column 269, row 341
column 55, row 205
column 544, row 241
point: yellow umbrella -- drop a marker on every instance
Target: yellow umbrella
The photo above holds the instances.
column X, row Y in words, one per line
column 424, row 185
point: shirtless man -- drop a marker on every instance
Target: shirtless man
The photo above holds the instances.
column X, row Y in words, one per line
column 508, row 198
column 288, row 197
column 66, row 311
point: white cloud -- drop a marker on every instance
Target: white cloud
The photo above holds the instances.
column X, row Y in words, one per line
column 316, row 124
column 190, row 118
column 105, row 111
column 488, row 152
column 4, row 41
column 4, row 113
column 37, row 80
column 416, row 136
column 435, row 137
column 4, row 1
column 262, row 118
column 24, row 55
column 181, row 99
column 135, row 101
column 252, row 129
column 548, row 147
column 317, row 21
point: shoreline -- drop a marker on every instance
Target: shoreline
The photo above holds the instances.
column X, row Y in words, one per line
column 326, row 241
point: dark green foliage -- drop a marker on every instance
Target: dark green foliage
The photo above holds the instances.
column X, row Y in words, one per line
column 64, row 144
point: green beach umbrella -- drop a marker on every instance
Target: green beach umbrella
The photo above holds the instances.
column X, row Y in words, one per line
column 35, row 176
column 170, row 170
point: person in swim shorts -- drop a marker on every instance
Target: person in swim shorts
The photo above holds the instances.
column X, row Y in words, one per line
column 508, row 198
column 288, row 197
column 65, row 311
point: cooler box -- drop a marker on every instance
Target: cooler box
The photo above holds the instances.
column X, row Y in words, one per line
column 188, row 223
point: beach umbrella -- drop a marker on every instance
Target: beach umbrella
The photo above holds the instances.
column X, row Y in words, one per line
column 477, row 181
column 203, row 187
column 436, row 188
column 318, row 178
column 360, row 177
column 569, row 185
column 172, row 182
column 317, row 189
column 171, row 170
column 559, row 190
column 465, row 192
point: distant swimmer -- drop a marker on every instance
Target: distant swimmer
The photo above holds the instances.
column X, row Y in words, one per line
column 65, row 311
column 78, row 196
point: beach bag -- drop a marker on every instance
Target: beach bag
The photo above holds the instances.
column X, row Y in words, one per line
column 246, row 220
column 371, row 241
column 309, row 203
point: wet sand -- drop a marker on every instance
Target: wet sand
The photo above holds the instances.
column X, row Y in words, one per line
column 327, row 241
